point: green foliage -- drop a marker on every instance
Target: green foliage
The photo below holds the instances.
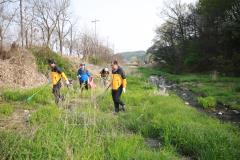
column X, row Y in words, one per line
column 204, row 38
column 169, row 119
column 45, row 114
column 75, row 136
column 43, row 97
column 95, row 60
column 134, row 147
column 237, row 88
column 43, row 54
column 92, row 132
column 207, row 102
column 6, row 109
column 135, row 55
column 192, row 59
column 224, row 90
column 10, row 95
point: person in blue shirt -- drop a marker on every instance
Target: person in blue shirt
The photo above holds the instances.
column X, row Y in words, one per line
column 83, row 76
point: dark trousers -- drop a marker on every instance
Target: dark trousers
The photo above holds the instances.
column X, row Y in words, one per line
column 83, row 84
column 56, row 91
column 116, row 95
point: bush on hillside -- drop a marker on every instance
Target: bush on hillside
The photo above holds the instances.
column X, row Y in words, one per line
column 43, row 54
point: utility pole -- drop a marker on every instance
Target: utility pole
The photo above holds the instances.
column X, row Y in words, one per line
column 95, row 23
column 71, row 39
column 21, row 21
column 95, row 36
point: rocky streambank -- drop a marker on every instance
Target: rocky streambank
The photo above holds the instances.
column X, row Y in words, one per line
column 221, row 111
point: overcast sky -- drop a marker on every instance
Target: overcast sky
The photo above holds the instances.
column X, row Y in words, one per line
column 128, row 24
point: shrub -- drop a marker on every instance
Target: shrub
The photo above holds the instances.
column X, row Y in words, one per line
column 192, row 59
column 6, row 109
column 96, row 60
column 237, row 88
column 43, row 54
column 207, row 102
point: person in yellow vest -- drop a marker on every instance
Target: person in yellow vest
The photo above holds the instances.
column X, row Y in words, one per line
column 56, row 76
column 118, row 84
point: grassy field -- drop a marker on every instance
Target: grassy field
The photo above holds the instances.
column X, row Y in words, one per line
column 225, row 89
column 85, row 128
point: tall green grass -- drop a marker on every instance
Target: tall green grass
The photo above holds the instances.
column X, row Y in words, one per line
column 85, row 133
column 176, row 124
column 44, row 97
column 224, row 89
column 6, row 109
column 91, row 132
column 46, row 114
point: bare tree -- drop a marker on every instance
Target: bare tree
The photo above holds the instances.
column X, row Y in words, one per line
column 175, row 12
column 21, row 19
column 46, row 18
column 6, row 19
column 5, row 1
column 63, row 20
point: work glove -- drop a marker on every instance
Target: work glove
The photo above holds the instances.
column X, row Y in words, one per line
column 67, row 82
column 124, row 90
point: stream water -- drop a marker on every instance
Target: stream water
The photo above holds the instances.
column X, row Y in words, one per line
column 221, row 111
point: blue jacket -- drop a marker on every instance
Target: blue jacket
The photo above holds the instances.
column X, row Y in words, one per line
column 83, row 75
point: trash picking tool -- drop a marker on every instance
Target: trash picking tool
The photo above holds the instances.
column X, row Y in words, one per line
column 32, row 96
column 102, row 95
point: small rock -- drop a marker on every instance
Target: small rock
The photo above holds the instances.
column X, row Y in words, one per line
column 26, row 111
column 153, row 143
column 220, row 113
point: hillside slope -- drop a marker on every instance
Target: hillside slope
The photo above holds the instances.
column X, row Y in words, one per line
column 132, row 57
column 19, row 70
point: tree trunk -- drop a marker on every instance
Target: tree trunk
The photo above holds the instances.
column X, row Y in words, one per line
column 21, row 21
column 26, row 38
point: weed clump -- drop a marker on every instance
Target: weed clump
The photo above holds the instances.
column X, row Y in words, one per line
column 45, row 115
column 207, row 102
column 6, row 109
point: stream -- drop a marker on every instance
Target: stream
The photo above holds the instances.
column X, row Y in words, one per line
column 221, row 111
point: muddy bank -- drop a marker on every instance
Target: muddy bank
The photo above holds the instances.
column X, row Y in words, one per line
column 221, row 111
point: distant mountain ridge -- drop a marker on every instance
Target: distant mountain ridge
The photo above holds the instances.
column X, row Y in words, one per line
column 133, row 56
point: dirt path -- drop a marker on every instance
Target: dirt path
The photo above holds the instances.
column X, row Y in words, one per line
column 18, row 121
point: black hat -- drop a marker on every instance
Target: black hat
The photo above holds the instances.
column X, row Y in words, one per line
column 115, row 62
column 51, row 61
